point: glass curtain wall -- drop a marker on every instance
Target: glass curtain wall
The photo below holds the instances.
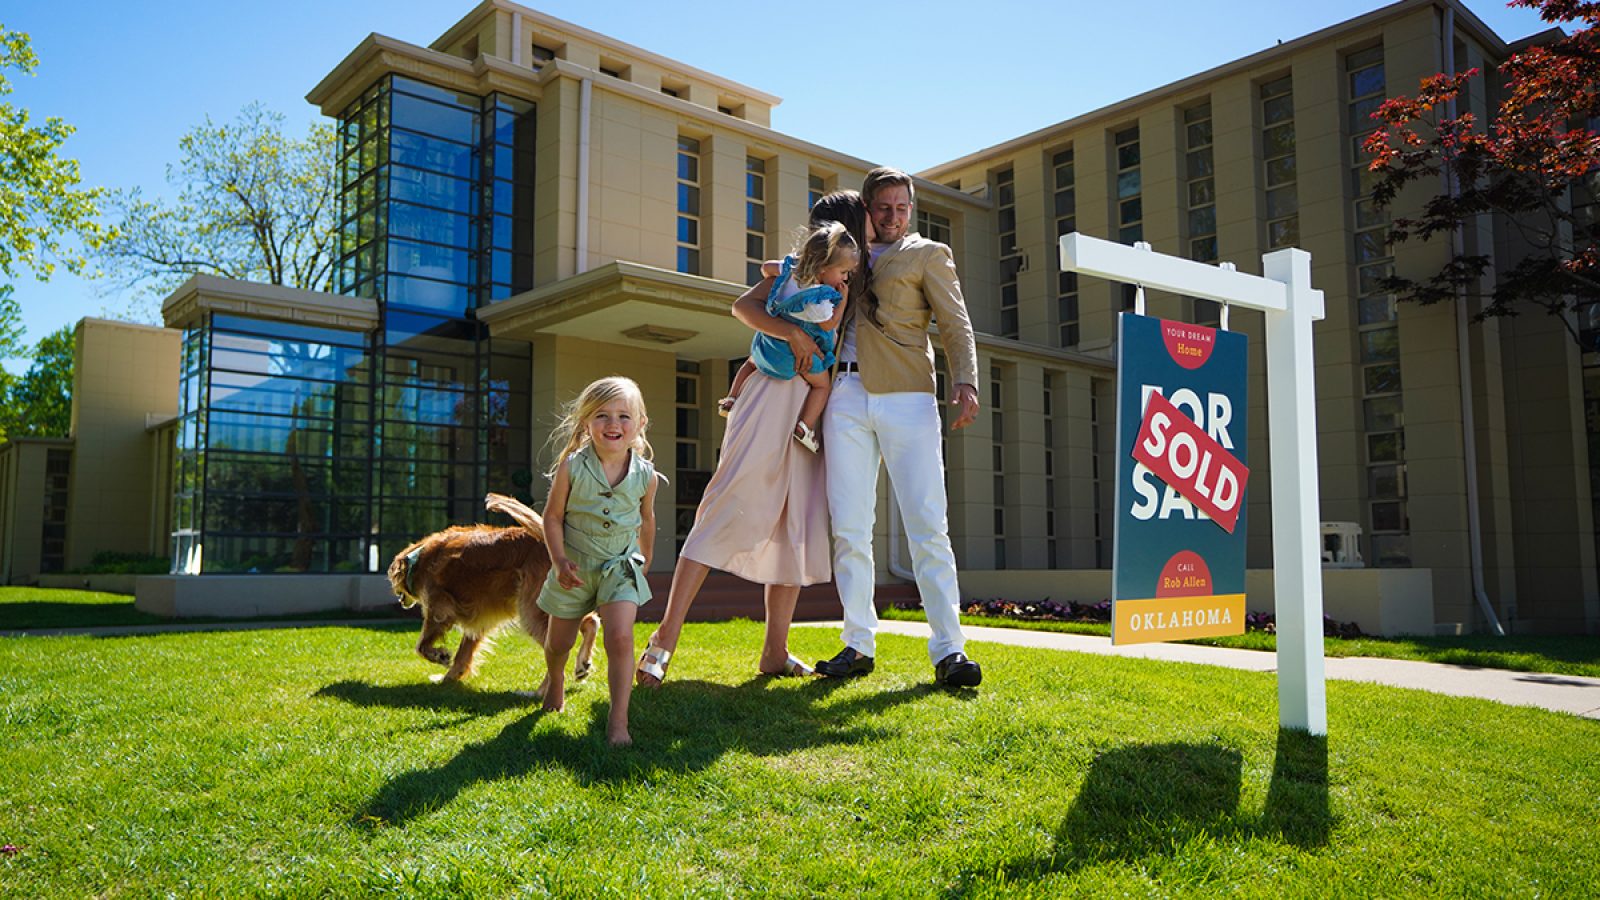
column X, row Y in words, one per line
column 456, row 227
column 306, row 449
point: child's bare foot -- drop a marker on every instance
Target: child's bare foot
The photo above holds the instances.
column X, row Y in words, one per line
column 618, row 736
column 554, row 704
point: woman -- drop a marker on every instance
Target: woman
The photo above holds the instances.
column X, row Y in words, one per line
column 764, row 515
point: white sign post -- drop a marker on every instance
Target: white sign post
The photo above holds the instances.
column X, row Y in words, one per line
column 1284, row 293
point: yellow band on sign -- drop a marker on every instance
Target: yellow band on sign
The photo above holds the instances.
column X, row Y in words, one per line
column 1176, row 618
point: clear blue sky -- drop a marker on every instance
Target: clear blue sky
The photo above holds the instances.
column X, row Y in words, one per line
column 134, row 77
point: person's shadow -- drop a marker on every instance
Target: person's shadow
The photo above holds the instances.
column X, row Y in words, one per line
column 1150, row 800
column 684, row 727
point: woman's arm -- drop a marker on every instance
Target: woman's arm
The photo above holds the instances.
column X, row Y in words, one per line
column 751, row 309
column 647, row 522
column 555, row 511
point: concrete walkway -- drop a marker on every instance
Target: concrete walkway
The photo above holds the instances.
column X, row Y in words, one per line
column 1573, row 694
column 180, row 627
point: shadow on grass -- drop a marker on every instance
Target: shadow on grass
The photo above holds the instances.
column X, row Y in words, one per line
column 1145, row 802
column 1297, row 798
column 684, row 727
column 423, row 695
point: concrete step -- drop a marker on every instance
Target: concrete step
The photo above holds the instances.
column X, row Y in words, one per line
column 725, row 597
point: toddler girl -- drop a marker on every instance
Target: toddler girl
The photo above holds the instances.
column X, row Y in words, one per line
column 600, row 526
column 810, row 290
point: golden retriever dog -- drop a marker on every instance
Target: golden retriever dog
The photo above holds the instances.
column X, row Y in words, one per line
column 478, row 578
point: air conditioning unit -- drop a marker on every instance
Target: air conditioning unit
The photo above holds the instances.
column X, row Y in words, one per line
column 1341, row 546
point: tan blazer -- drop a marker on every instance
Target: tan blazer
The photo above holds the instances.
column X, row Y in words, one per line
column 914, row 281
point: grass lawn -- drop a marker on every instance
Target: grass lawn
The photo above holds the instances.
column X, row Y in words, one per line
column 321, row 762
column 1559, row 654
column 27, row 607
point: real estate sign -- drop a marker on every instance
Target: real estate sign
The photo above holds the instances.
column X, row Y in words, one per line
column 1178, row 560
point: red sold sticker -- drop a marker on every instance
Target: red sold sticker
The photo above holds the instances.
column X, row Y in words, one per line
column 1180, row 453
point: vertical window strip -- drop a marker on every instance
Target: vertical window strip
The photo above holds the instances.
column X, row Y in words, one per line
column 1064, row 197
column 755, row 217
column 1005, row 199
column 688, row 439
column 1377, row 330
column 1049, row 424
column 1130, row 201
column 1279, row 163
column 688, row 206
column 997, row 423
column 1201, row 198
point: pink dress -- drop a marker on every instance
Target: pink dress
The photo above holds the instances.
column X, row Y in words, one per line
column 764, row 515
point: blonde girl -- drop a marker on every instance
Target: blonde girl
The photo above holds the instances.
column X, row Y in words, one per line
column 811, row 291
column 600, row 526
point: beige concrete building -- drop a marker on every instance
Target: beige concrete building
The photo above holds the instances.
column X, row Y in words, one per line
column 529, row 205
column 108, row 486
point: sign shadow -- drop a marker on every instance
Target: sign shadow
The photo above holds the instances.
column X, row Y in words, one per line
column 1147, row 801
column 1297, row 798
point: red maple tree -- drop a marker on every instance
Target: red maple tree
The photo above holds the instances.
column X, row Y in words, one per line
column 1536, row 164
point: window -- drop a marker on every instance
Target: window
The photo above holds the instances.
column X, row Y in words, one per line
column 816, row 187
column 755, row 217
column 1377, row 330
column 688, row 205
column 540, row 55
column 1066, row 216
column 933, row 226
column 670, row 92
column 1278, row 159
column 1201, row 198
column 1005, row 201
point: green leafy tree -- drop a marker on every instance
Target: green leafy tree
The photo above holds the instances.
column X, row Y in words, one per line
column 39, row 403
column 1536, row 164
column 40, row 198
column 252, row 204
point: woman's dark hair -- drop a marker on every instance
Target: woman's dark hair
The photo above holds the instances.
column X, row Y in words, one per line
column 846, row 208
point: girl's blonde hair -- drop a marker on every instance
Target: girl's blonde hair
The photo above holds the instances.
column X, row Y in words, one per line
column 572, row 432
column 818, row 247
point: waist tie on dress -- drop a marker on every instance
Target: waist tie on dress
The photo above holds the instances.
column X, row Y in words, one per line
column 620, row 560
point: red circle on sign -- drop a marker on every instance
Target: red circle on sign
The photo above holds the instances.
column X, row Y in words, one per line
column 1185, row 575
column 1188, row 345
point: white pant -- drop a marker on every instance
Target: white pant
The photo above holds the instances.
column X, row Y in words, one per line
column 902, row 429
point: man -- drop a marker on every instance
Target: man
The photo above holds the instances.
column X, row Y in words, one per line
column 884, row 407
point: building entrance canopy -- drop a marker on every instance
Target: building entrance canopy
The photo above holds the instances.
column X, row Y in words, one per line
column 630, row 305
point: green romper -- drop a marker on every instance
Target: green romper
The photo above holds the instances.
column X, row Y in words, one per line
column 601, row 532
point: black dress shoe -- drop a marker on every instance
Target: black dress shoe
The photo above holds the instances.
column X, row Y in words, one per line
column 956, row 670
column 847, row 664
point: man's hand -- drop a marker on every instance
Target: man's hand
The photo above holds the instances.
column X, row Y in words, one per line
column 966, row 398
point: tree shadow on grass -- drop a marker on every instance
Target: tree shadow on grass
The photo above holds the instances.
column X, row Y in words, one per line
column 1144, row 802
column 684, row 727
